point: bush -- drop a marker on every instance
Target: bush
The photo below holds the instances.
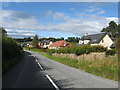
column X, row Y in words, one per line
column 78, row 50
column 110, row 52
column 11, row 53
column 50, row 51
column 10, row 48
column 98, row 49
column 85, row 49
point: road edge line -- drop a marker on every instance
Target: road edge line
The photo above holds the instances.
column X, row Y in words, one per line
column 40, row 66
column 56, row 87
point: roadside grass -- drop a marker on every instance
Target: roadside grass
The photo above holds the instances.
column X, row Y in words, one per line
column 8, row 64
column 33, row 49
column 107, row 68
column 118, row 53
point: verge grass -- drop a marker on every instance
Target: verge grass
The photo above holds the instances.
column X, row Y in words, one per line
column 33, row 49
column 118, row 53
column 107, row 68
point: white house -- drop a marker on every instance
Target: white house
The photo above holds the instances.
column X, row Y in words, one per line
column 102, row 39
column 45, row 43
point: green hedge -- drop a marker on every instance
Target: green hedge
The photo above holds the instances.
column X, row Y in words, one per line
column 11, row 53
column 110, row 52
column 10, row 48
column 78, row 50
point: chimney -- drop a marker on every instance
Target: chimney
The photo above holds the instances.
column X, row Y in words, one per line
column 86, row 34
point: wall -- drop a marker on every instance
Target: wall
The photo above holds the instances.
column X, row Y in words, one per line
column 107, row 42
column 91, row 56
column 84, row 41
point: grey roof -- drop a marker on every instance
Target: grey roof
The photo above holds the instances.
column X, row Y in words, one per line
column 94, row 38
column 45, row 41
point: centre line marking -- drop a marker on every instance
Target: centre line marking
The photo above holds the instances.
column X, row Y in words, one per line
column 56, row 87
column 40, row 66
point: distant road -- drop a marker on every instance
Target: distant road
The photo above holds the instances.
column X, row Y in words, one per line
column 37, row 71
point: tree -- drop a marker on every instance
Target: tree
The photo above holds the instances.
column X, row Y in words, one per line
column 35, row 41
column 61, row 38
column 29, row 39
column 118, row 31
column 112, row 29
column 3, row 31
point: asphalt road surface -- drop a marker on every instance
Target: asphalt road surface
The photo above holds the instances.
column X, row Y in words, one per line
column 37, row 71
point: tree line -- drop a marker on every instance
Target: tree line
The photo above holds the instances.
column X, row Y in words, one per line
column 29, row 39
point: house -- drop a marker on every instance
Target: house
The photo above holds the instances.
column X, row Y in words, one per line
column 60, row 44
column 44, row 43
column 102, row 39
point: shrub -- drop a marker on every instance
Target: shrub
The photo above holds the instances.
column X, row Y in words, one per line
column 110, row 52
column 11, row 53
column 98, row 49
column 85, row 49
column 78, row 50
column 50, row 51
column 10, row 48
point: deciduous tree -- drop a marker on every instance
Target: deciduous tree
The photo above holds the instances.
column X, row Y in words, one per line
column 35, row 41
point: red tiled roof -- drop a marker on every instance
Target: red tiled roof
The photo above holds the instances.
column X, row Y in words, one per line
column 68, row 45
column 60, row 43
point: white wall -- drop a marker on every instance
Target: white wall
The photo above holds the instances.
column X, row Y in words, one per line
column 81, row 41
column 107, row 42
column 84, row 42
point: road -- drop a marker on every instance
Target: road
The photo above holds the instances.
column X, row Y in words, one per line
column 37, row 71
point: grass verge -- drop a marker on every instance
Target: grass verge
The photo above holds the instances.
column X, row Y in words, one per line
column 33, row 49
column 107, row 68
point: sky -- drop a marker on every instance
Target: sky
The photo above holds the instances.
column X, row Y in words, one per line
column 56, row 19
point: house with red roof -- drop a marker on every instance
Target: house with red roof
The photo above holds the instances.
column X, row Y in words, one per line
column 60, row 44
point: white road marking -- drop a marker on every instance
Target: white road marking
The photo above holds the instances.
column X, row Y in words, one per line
column 36, row 60
column 52, row 82
column 40, row 66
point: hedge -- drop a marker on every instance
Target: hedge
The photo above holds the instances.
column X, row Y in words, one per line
column 10, row 48
column 11, row 53
column 110, row 52
column 78, row 50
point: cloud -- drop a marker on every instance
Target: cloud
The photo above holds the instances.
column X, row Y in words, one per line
column 17, row 20
column 20, row 33
column 72, row 9
column 112, row 19
column 92, row 10
column 23, row 25
column 54, row 15
column 59, row 16
column 100, row 12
